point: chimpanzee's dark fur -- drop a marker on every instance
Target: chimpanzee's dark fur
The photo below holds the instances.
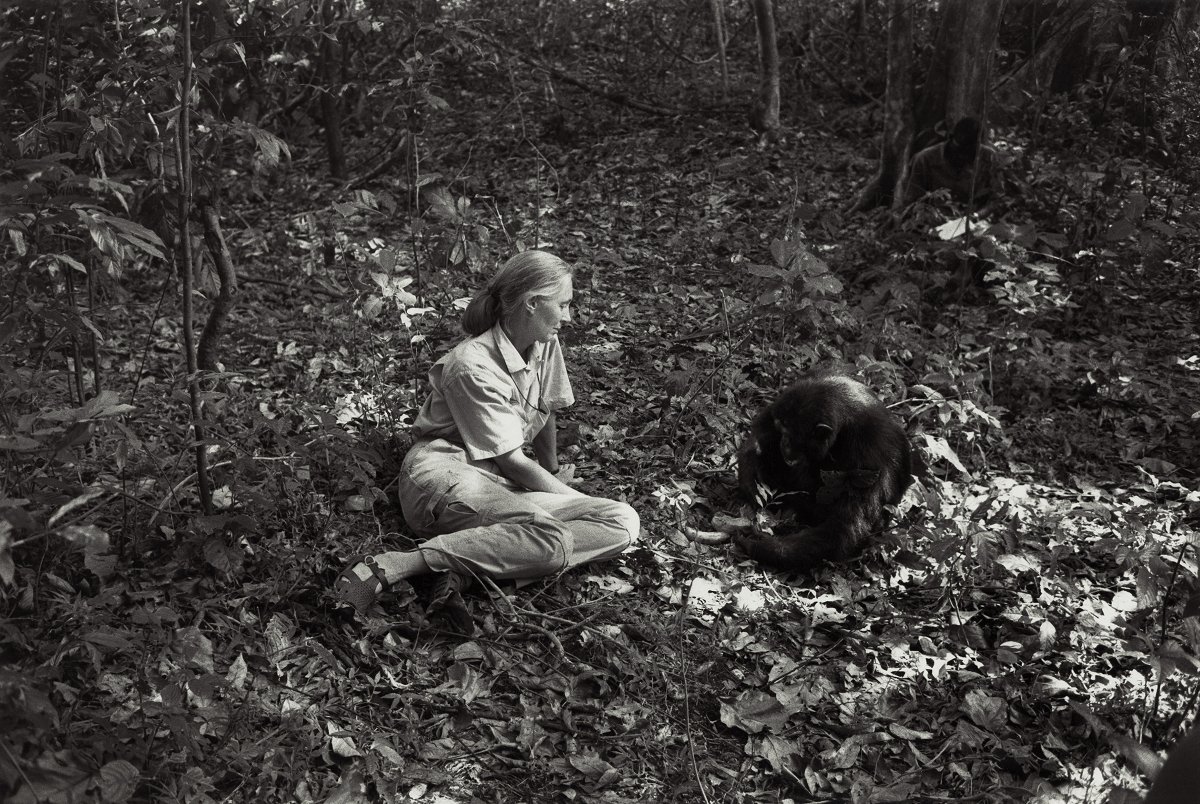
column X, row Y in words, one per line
column 834, row 456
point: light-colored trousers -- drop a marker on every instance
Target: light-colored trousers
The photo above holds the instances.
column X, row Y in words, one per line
column 476, row 522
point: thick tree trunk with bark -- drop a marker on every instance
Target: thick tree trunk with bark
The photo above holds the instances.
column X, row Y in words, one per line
column 897, row 110
column 956, row 87
column 764, row 116
column 1058, row 59
column 1186, row 13
column 960, row 68
column 1079, row 41
column 1176, row 38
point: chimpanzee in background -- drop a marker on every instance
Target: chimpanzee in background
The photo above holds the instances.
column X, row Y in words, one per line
column 831, row 454
column 962, row 164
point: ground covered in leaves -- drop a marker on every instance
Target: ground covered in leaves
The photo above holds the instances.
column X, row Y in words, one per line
column 1026, row 633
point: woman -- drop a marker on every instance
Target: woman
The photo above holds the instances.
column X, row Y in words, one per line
column 467, row 486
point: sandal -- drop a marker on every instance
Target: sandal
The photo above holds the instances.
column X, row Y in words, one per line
column 360, row 593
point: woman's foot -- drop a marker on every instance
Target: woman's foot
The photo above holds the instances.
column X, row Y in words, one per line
column 360, row 583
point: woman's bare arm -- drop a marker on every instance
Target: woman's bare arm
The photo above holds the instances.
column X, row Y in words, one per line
column 527, row 473
column 545, row 446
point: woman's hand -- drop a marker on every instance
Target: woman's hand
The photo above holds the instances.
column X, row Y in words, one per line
column 528, row 473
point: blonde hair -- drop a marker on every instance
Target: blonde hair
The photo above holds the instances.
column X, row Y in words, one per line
column 523, row 276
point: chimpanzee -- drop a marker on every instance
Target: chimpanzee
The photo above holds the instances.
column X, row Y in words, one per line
column 962, row 164
column 1179, row 778
column 833, row 456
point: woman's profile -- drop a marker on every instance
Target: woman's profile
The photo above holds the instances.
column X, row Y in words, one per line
column 469, row 486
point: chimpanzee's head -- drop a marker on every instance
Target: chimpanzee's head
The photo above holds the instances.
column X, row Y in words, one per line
column 808, row 426
column 805, row 443
column 961, row 148
column 811, row 414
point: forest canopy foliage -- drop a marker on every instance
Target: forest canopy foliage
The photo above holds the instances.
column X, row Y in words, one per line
column 235, row 235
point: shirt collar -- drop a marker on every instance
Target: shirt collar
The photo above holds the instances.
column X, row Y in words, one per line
column 509, row 356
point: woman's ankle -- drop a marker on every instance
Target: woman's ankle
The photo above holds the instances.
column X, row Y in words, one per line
column 401, row 565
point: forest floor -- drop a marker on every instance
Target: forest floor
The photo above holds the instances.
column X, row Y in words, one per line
column 1021, row 636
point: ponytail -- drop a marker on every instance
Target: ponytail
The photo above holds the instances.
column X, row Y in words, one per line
column 482, row 313
column 524, row 276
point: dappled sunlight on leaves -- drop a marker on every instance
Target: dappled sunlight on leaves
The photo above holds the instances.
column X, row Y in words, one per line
column 1026, row 630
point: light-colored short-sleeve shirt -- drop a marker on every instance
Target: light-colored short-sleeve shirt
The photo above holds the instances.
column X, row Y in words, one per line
column 489, row 399
column 930, row 170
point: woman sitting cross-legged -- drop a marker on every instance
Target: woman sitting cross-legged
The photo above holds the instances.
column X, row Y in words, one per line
column 467, row 487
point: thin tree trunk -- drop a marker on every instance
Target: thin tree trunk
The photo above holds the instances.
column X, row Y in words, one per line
column 718, row 9
column 76, row 352
column 764, row 117
column 183, row 159
column 898, row 102
column 95, row 339
column 897, row 111
column 215, row 326
column 331, row 109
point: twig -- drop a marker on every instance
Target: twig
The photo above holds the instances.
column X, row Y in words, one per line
column 618, row 98
column 262, row 280
column 687, row 694
column 696, row 388
column 176, row 488
column 724, row 42
column 12, row 761
column 398, row 149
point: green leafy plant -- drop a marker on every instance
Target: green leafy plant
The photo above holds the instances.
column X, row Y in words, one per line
column 799, row 290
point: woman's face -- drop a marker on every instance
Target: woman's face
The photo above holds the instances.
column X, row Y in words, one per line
column 551, row 312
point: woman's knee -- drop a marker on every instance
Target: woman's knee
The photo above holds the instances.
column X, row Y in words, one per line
column 550, row 545
column 630, row 521
column 625, row 520
column 428, row 483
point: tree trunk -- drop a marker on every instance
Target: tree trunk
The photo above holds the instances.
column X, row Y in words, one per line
column 331, row 110
column 1057, row 61
column 206, row 353
column 897, row 111
column 956, row 87
column 764, row 116
column 718, row 10
column 1186, row 12
column 183, row 161
column 76, row 351
column 957, row 82
column 1174, row 46
column 1082, row 41
column 94, row 337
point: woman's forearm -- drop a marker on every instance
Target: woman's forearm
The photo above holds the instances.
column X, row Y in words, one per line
column 545, row 445
column 527, row 473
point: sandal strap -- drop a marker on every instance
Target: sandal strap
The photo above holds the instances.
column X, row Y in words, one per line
column 370, row 563
column 360, row 593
